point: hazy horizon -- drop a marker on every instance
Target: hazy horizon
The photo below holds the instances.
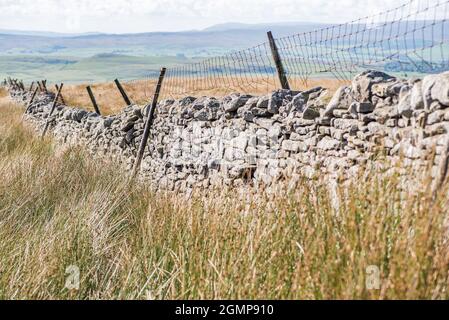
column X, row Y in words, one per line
column 157, row 31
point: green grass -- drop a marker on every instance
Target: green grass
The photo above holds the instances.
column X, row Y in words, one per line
column 60, row 208
column 70, row 69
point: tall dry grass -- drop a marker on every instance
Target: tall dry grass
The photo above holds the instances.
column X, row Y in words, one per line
column 141, row 92
column 60, row 208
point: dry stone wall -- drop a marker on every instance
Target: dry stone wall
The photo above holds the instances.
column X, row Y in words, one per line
column 241, row 139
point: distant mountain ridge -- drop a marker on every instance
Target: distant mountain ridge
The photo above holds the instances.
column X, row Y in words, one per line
column 214, row 40
column 247, row 26
column 48, row 34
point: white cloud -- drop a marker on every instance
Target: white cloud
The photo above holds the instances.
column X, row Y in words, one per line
column 150, row 15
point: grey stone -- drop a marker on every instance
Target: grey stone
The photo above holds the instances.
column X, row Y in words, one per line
column 263, row 102
column 264, row 123
column 186, row 101
column 310, row 113
column 78, row 115
column 240, row 142
column 435, row 117
column 405, row 106
column 291, row 146
column 440, row 89
column 336, row 102
column 128, row 126
column 260, row 112
column 328, row 143
column 416, row 97
column 363, row 83
column 235, row 101
column 361, row 107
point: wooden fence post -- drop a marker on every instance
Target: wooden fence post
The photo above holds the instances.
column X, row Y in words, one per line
column 62, row 98
column 146, row 131
column 51, row 110
column 277, row 60
column 15, row 84
column 122, row 92
column 92, row 98
column 44, row 85
column 40, row 86
column 30, row 102
column 31, row 86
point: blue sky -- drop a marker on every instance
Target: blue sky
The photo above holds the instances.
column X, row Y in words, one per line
column 123, row 16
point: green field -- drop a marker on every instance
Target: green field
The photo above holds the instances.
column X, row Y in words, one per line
column 99, row 68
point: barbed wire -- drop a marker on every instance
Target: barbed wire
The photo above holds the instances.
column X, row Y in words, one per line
column 412, row 38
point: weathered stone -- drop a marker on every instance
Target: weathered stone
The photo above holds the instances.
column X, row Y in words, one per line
column 435, row 117
column 240, row 142
column 263, row 102
column 128, row 126
column 291, row 146
column 78, row 115
column 310, row 113
column 336, row 102
column 186, row 101
column 260, row 112
column 405, row 106
column 416, row 96
column 440, row 89
column 328, row 143
column 299, row 102
column 235, row 101
column 361, row 107
column 264, row 123
column 363, row 83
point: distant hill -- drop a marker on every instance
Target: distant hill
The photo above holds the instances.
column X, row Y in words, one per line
column 266, row 26
column 211, row 41
column 44, row 33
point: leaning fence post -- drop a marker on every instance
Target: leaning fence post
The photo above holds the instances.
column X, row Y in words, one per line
column 62, row 98
column 31, row 86
column 47, row 122
column 15, row 84
column 44, row 85
column 146, row 131
column 31, row 102
column 92, row 98
column 122, row 92
column 39, row 86
column 277, row 60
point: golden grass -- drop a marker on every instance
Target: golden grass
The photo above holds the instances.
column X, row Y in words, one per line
column 141, row 92
column 60, row 208
column 3, row 92
column 107, row 96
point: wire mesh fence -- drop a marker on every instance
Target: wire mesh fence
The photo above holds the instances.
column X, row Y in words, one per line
column 410, row 39
column 251, row 70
